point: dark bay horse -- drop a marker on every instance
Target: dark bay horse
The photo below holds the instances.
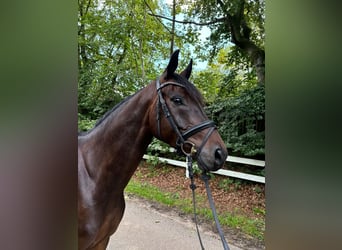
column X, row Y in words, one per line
column 169, row 108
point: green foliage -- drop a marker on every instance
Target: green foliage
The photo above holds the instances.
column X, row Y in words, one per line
column 208, row 81
column 119, row 47
column 207, row 11
column 258, row 210
column 254, row 227
column 152, row 193
column 152, row 161
column 225, row 183
column 157, row 146
column 84, row 123
column 229, row 184
column 154, row 150
column 241, row 120
column 235, row 101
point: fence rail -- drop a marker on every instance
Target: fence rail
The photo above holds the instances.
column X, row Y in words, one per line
column 224, row 172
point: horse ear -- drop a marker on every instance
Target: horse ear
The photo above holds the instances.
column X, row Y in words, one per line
column 187, row 72
column 173, row 63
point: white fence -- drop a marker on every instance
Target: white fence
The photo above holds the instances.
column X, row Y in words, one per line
column 235, row 174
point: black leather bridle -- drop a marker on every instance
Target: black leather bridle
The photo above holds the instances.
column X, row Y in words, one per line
column 182, row 140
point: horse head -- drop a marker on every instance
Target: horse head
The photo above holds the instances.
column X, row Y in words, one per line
column 178, row 118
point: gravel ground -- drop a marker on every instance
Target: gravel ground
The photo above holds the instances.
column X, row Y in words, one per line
column 146, row 227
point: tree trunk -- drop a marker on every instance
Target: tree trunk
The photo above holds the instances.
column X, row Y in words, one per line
column 240, row 33
column 256, row 55
column 173, row 26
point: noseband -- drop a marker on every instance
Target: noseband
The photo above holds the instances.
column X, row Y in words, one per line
column 182, row 140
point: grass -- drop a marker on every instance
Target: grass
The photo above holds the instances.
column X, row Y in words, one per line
column 151, row 193
column 252, row 227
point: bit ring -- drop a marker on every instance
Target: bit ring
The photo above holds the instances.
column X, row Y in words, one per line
column 192, row 148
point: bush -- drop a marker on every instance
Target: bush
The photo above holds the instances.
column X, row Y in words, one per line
column 241, row 121
column 85, row 123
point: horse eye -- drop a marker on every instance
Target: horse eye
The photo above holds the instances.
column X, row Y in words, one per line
column 177, row 100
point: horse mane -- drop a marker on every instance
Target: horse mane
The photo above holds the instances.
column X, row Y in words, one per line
column 108, row 113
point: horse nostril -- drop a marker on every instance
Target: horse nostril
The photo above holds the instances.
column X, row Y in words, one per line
column 219, row 157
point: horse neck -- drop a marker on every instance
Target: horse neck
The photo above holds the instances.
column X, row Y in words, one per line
column 116, row 146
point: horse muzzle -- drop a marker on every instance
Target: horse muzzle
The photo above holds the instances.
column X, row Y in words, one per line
column 212, row 160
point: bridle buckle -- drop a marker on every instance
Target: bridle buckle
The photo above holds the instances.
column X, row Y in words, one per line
column 188, row 148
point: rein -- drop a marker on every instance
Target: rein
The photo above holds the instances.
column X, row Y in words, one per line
column 205, row 177
column 180, row 145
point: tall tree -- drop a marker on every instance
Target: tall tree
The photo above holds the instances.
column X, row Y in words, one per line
column 173, row 26
column 119, row 45
column 240, row 22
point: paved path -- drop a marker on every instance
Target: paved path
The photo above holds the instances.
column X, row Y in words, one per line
column 145, row 228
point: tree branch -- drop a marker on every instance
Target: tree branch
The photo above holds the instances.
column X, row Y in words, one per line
column 216, row 20
column 148, row 6
column 240, row 36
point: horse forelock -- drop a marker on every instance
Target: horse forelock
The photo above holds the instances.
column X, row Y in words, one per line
column 190, row 88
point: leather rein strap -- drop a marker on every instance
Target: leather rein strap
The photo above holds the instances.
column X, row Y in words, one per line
column 205, row 177
column 182, row 139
